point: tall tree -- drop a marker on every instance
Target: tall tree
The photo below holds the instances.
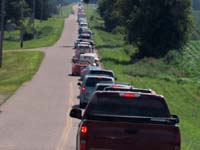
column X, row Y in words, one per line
column 159, row 26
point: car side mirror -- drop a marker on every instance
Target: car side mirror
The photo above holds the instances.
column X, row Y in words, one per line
column 79, row 84
column 176, row 118
column 76, row 113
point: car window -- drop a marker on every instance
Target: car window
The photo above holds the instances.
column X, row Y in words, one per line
column 101, row 87
column 91, row 82
column 101, row 72
column 146, row 107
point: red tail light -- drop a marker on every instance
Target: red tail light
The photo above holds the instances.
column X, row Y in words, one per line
column 83, row 89
column 83, row 136
column 84, row 129
column 115, row 86
column 130, row 95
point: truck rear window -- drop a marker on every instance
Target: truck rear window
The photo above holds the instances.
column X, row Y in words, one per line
column 108, row 73
column 91, row 82
column 129, row 107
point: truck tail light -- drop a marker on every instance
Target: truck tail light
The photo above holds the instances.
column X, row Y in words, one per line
column 84, row 129
column 130, row 95
column 83, row 136
column 83, row 90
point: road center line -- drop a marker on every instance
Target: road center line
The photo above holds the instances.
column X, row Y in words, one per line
column 66, row 131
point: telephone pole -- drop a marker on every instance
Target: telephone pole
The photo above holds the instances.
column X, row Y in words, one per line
column 2, row 30
column 22, row 27
column 33, row 19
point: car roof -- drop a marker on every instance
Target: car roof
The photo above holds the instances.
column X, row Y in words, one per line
column 97, row 76
column 104, row 83
column 102, row 70
column 89, row 54
column 109, row 93
column 84, row 34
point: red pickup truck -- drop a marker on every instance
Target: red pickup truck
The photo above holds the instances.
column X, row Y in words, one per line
column 116, row 120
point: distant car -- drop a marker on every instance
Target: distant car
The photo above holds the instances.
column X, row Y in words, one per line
column 83, row 24
column 88, row 87
column 102, row 72
column 87, row 69
column 85, row 36
column 85, row 42
column 92, row 58
column 85, row 31
column 82, row 49
column 76, row 67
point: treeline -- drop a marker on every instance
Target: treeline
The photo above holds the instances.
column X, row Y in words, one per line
column 19, row 14
column 156, row 27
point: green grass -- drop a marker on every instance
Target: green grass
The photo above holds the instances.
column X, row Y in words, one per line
column 48, row 32
column 18, row 67
column 176, row 76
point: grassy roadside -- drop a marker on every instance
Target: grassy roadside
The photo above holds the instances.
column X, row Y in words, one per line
column 48, row 31
column 175, row 76
column 18, row 68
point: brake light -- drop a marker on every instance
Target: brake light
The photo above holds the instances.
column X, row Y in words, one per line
column 130, row 95
column 99, row 78
column 83, row 136
column 84, row 129
column 83, row 89
column 115, row 86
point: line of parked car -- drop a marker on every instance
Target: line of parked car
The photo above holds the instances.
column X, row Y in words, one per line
column 117, row 116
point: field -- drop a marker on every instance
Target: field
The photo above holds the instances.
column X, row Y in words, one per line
column 48, row 32
column 176, row 76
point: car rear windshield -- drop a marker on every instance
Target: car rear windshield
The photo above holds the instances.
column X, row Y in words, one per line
column 91, row 82
column 85, row 37
column 120, row 106
column 108, row 73
column 101, row 87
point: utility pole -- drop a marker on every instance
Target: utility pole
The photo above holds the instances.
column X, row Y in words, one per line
column 2, row 31
column 22, row 27
column 33, row 19
column 42, row 9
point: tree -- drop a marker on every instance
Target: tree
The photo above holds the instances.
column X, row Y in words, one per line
column 109, row 11
column 159, row 26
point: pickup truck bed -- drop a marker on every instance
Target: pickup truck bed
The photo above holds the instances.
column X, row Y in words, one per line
column 106, row 135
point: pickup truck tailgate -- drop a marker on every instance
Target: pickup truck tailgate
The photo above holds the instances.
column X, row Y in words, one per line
column 106, row 135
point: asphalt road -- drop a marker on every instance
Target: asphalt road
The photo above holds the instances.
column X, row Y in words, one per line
column 36, row 117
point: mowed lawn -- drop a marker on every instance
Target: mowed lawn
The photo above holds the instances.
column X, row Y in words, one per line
column 176, row 77
column 48, row 32
column 18, row 67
